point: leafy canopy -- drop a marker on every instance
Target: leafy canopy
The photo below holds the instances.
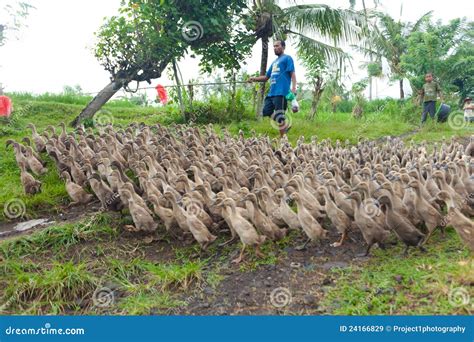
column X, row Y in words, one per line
column 137, row 44
column 446, row 51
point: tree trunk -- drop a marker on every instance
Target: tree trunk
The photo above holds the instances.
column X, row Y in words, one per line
column 370, row 87
column 317, row 92
column 402, row 93
column 178, row 89
column 263, row 70
column 97, row 102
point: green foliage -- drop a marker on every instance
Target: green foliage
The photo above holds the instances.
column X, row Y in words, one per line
column 387, row 39
column 374, row 69
column 147, row 35
column 15, row 12
column 217, row 109
column 446, row 51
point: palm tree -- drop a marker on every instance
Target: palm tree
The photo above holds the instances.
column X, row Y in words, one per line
column 310, row 26
column 388, row 40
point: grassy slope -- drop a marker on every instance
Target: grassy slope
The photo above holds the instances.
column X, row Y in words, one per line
column 145, row 286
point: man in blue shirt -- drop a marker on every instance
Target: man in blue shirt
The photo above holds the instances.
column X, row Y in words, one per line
column 281, row 75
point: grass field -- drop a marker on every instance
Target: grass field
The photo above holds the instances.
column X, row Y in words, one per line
column 62, row 268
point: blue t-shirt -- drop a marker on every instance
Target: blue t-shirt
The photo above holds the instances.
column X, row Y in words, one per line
column 280, row 75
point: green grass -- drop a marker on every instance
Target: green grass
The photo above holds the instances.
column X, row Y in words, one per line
column 36, row 276
column 58, row 237
column 50, row 290
column 146, row 302
column 392, row 284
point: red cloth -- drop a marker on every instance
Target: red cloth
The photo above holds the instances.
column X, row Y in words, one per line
column 5, row 106
column 162, row 94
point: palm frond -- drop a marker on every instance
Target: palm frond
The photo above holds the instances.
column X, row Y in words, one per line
column 322, row 20
column 308, row 46
column 419, row 22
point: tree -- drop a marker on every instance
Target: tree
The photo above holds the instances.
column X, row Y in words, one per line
column 446, row 51
column 358, row 95
column 461, row 65
column 14, row 13
column 139, row 43
column 320, row 74
column 388, row 39
column 308, row 25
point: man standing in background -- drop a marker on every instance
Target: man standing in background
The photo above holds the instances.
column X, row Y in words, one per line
column 281, row 75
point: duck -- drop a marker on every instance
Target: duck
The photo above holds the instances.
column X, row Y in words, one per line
column 178, row 212
column 31, row 185
column 20, row 158
column 310, row 225
column 371, row 231
column 338, row 217
column 199, row 230
column 194, row 205
column 263, row 223
column 463, row 225
column 40, row 143
column 77, row 172
column 33, row 163
column 141, row 218
column 106, row 196
column 311, row 203
column 269, row 206
column 244, row 229
column 164, row 214
column 76, row 192
column 285, row 211
column 402, row 227
column 430, row 216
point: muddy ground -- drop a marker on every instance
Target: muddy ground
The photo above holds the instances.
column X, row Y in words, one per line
column 288, row 281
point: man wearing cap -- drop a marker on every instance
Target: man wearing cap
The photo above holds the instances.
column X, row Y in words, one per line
column 281, row 75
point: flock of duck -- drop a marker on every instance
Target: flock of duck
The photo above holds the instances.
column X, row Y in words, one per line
column 197, row 183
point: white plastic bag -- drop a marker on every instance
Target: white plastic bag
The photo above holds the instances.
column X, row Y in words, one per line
column 295, row 107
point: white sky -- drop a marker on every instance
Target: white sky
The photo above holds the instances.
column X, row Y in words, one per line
column 55, row 49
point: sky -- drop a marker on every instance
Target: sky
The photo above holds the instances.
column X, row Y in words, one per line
column 56, row 47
